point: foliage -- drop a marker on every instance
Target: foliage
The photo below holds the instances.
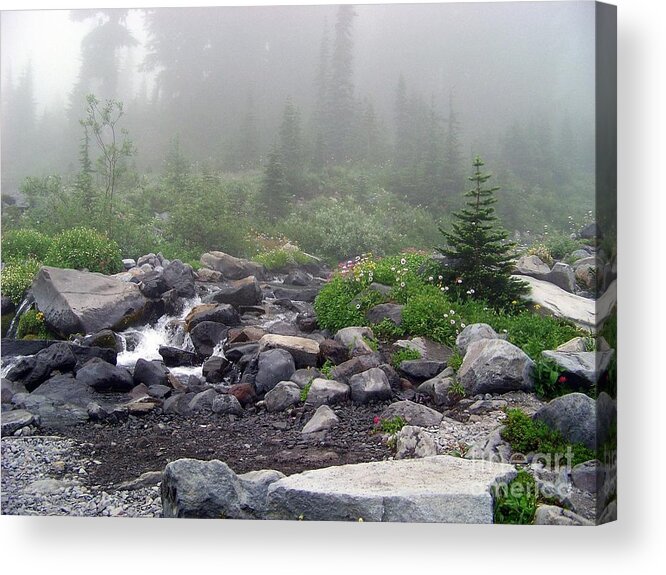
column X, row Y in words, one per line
column 541, row 251
column 279, row 254
column 455, row 361
column 23, row 244
column 482, row 261
column 16, row 278
column 526, row 435
column 430, row 314
column 560, row 246
column 333, row 305
column 386, row 330
column 81, row 248
column 305, row 391
column 549, row 382
column 327, row 369
column 456, row 389
column 31, row 326
column 405, row 354
column 515, row 503
column 393, row 425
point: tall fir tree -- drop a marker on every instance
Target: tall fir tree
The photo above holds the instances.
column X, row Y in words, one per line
column 291, row 148
column 481, row 258
column 275, row 190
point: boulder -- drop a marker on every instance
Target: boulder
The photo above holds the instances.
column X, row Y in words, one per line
column 304, row 351
column 590, row 231
column 296, row 293
column 298, row 278
column 326, row 392
column 472, row 333
column 370, row 385
column 563, row 276
column 180, row 277
column 333, row 351
column 283, row 395
column 176, row 357
column 303, row 377
column 413, row 413
column 244, row 393
column 495, row 366
column 585, row 366
column 491, row 448
column 356, row 339
column 246, row 334
column 210, row 489
column 219, row 313
column 206, row 336
column 586, row 276
column 347, row 369
column 390, row 311
column 273, row 366
column 244, row 292
column 65, row 388
column 554, row 515
column 203, row 401
column 574, row 416
column 74, row 301
column 153, row 284
column 439, row 389
column 150, row 372
column 440, row 489
column 206, row 275
column 307, row 322
column 421, row 369
column 103, row 376
column 429, row 350
column 227, row 404
column 323, row 419
column 14, row 420
column 414, row 442
column 215, row 368
column 587, row 475
column 105, row 338
column 34, row 370
column 532, row 266
column 232, row 268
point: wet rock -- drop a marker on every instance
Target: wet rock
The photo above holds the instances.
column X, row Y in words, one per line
column 73, row 301
column 574, row 416
column 472, row 333
column 323, row 419
column 105, row 338
column 283, row 395
column 206, row 336
column 107, row 413
column 244, row 292
column 495, row 366
column 227, row 404
column 215, row 368
column 298, row 278
column 103, row 376
column 176, row 357
column 413, row 442
column 273, row 366
column 236, row 353
column 296, row 293
column 219, row 313
column 32, row 371
column 413, row 413
column 150, row 372
column 326, row 392
column 153, row 284
column 371, row 385
column 180, row 277
column 304, row 351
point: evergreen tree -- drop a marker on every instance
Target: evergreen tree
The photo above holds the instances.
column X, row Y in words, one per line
column 291, row 146
column 481, row 260
column 274, row 190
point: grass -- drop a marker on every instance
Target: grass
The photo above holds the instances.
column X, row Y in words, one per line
column 515, row 503
column 406, row 354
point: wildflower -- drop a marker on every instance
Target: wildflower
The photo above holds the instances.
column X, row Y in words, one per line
column 446, row 315
column 537, row 306
column 561, row 379
column 471, row 291
column 430, row 278
column 453, row 322
column 403, row 261
column 358, row 258
column 440, row 277
column 392, row 268
column 514, row 302
column 463, row 325
column 358, row 306
column 375, row 420
column 459, row 280
column 446, row 288
column 452, row 312
column 402, row 284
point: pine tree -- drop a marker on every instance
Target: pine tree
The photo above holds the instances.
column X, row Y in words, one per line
column 481, row 260
column 291, row 148
column 275, row 191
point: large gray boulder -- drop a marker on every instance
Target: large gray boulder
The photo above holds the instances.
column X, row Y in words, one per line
column 495, row 366
column 283, row 395
column 33, row 370
column 75, row 301
column 347, row 369
column 206, row 336
column 574, row 415
column 472, row 333
column 304, row 351
column 326, row 392
column 413, row 413
column 562, row 275
column 273, row 366
column 413, row 442
column 232, row 268
column 439, row 489
column 532, row 266
column 586, row 365
column 371, row 385
column 105, row 377
column 243, row 292
column 390, row 311
column 180, row 277
column 211, row 490
column 322, row 420
column 356, row 339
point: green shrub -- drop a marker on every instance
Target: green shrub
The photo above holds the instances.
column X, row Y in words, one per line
column 393, row 425
column 432, row 315
column 24, row 244
column 280, row 259
column 333, row 305
column 31, row 326
column 305, row 391
column 515, row 503
column 526, row 435
column 327, row 369
column 561, row 246
column 81, row 248
column 455, row 361
column 386, row 330
column 16, row 278
column 405, row 354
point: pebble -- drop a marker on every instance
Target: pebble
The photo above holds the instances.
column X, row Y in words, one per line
column 44, row 475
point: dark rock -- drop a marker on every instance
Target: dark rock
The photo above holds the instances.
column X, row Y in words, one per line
column 371, row 385
column 14, row 420
column 180, row 277
column 390, row 311
column 178, row 403
column 472, row 333
column 562, row 275
column 103, row 376
column 153, row 284
column 203, row 401
column 237, row 352
column 159, row 391
column 105, row 338
column 232, row 268
column 298, row 278
column 151, row 372
column 574, row 416
column 244, row 393
column 244, row 292
column 108, row 413
column 392, row 376
column 34, row 370
column 303, row 377
column 333, row 351
column 306, row 322
column 421, row 369
column 220, row 313
column 66, row 389
column 246, row 334
column 283, row 328
column 227, row 404
column 24, row 347
column 215, row 368
column 273, row 366
column 7, row 305
column 73, row 301
column 413, row 414
column 173, row 305
column 439, row 389
column 591, row 231
column 296, row 293
column 283, row 395
column 176, row 357
column 206, row 335
column 10, row 388
column 83, row 354
column 380, row 288
column 346, row 370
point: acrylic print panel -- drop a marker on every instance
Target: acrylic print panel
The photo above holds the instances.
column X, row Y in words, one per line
column 342, row 263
